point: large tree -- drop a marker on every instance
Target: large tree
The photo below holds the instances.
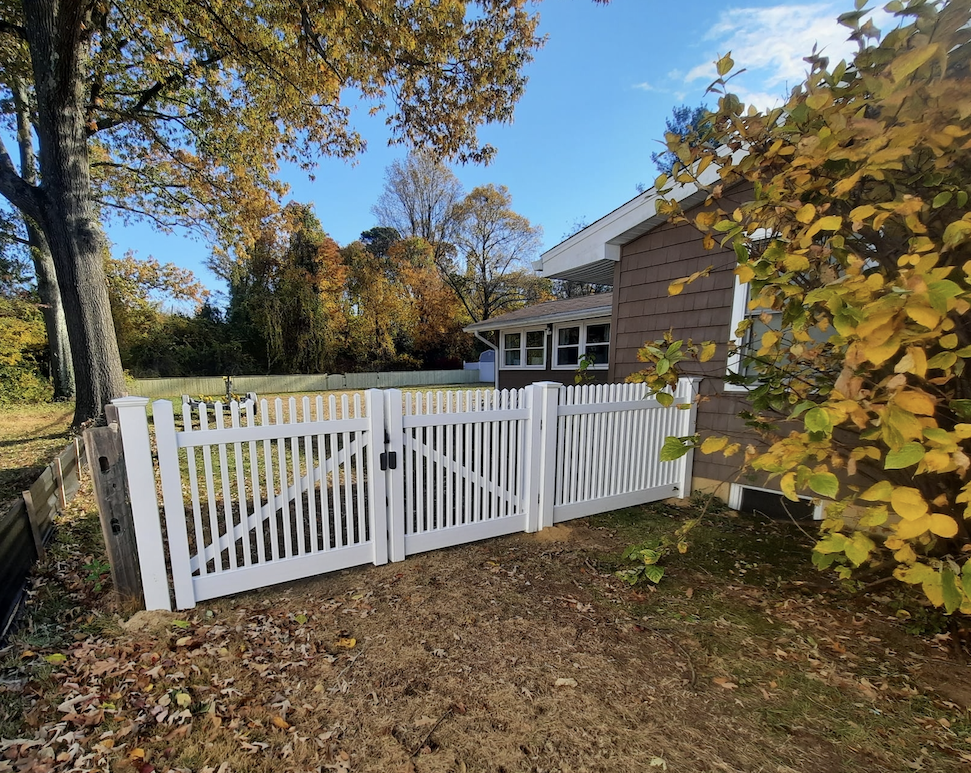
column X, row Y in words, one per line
column 856, row 247
column 289, row 293
column 181, row 111
column 684, row 125
column 419, row 200
column 494, row 248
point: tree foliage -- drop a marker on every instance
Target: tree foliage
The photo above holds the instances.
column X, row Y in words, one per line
column 491, row 274
column 137, row 292
column 182, row 111
column 403, row 315
column 288, row 292
column 419, row 200
column 14, row 267
column 436, row 338
column 860, row 188
column 23, row 352
column 684, row 125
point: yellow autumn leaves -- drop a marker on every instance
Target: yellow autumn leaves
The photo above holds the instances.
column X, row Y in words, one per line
column 851, row 225
column 915, row 516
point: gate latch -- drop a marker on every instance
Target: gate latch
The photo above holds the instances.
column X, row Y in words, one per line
column 388, row 460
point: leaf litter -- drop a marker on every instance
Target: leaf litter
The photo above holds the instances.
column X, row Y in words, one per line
column 519, row 654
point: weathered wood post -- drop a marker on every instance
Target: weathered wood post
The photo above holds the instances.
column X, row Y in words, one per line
column 106, row 461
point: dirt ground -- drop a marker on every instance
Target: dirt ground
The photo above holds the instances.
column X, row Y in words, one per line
column 524, row 653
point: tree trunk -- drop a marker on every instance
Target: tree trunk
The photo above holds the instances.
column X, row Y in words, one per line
column 67, row 216
column 62, row 369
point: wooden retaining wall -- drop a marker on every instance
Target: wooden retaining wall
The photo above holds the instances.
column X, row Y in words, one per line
column 27, row 525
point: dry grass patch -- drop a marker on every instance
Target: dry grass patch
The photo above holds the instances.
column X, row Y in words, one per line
column 30, row 436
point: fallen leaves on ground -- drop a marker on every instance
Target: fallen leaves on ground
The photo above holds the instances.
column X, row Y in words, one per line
column 513, row 653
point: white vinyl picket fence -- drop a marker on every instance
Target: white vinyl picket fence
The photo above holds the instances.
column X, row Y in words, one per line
column 257, row 495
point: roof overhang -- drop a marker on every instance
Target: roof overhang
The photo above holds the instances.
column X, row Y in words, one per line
column 590, row 255
column 539, row 319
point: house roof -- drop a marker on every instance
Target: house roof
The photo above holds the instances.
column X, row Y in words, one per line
column 584, row 307
column 589, row 255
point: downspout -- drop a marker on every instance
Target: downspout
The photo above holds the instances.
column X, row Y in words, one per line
column 495, row 348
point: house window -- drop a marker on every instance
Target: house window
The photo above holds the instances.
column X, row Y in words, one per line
column 750, row 340
column 524, row 349
column 568, row 346
column 759, row 320
column 771, row 503
column 586, row 338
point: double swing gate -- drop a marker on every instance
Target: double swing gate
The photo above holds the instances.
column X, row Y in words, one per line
column 257, row 494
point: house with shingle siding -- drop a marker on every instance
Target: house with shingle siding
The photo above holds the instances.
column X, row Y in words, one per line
column 639, row 253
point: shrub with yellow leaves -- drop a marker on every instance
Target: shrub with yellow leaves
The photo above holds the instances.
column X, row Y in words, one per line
column 861, row 180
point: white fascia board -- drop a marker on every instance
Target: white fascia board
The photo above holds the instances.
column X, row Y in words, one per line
column 566, row 316
column 593, row 243
column 603, row 239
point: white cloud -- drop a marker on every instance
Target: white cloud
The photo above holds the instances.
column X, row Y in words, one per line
column 761, row 100
column 644, row 86
column 770, row 44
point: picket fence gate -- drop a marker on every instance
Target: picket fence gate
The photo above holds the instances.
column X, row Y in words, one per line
column 254, row 495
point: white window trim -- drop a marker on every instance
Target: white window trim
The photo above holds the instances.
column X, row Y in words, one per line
column 735, row 498
column 522, row 348
column 582, row 324
column 740, row 300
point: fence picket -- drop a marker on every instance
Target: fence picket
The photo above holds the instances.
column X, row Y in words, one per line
column 210, row 486
column 255, row 521
column 268, row 474
column 430, row 466
column 311, row 465
column 360, row 473
column 503, row 455
column 227, row 527
column 286, row 544
column 294, row 482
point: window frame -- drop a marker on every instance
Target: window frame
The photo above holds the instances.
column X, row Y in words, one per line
column 522, row 349
column 733, row 365
column 582, row 345
column 741, row 296
column 735, row 491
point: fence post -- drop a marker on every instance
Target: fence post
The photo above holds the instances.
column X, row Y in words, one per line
column 686, row 392
column 107, row 463
column 133, row 423
column 33, row 522
column 77, row 455
column 541, row 451
column 377, row 479
column 395, row 433
column 174, row 503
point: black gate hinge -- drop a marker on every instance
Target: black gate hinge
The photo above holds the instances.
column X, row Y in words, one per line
column 388, row 460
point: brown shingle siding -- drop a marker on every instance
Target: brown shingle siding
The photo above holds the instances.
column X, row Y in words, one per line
column 644, row 311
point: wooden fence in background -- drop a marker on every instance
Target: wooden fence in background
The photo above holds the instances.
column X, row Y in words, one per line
column 322, row 382
column 27, row 524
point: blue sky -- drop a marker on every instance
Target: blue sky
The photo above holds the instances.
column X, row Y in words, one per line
column 592, row 114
